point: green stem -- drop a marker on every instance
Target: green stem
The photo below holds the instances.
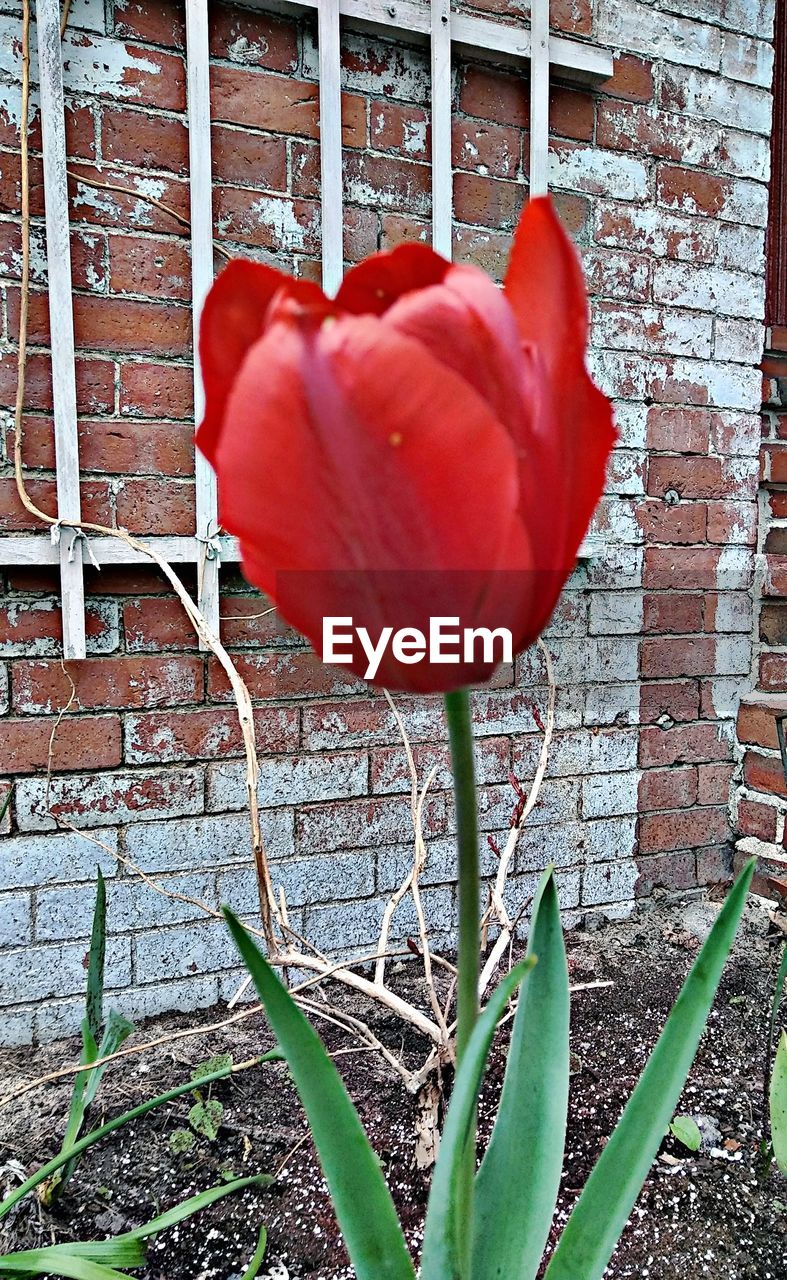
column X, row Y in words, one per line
column 460, row 733
column 457, row 710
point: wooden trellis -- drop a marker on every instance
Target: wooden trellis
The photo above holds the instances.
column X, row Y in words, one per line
column 447, row 31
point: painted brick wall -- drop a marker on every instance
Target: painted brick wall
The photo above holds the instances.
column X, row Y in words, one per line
column 661, row 178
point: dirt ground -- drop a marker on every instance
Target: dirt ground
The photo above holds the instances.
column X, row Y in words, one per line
column 718, row 1213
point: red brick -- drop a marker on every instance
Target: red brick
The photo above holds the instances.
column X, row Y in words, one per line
column 95, row 496
column 757, row 719
column 681, row 656
column 280, row 675
column 251, row 622
column 139, row 328
column 249, row 159
column 247, row 217
column 775, row 460
column 144, row 141
column 80, row 742
column 676, row 612
column 667, row 568
column 666, row 871
column 773, row 623
column 495, row 95
column 674, row 524
column 487, row 202
column 116, row 208
column 279, row 104
column 399, row 229
column 667, row 789
column 660, row 832
column 487, row 148
column 255, row 39
column 160, row 23
column 732, row 522
column 150, row 390
column 756, row 820
column 571, row 113
column 690, row 477
column 24, row 622
column 764, row 773
column 683, row 744
column 88, row 249
column 678, row 430
column 156, row 507
column 154, row 625
column 95, row 381
column 205, row 734
column 678, row 699
column 150, row 265
column 632, row 79
column 43, row 687
column 773, row 671
column 691, row 191
column 714, row 783
column 118, row 446
column 401, row 128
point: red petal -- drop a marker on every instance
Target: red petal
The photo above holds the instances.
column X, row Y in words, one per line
column 377, row 282
column 351, row 464
column 233, row 318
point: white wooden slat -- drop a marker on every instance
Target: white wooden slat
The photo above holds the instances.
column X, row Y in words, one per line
column 442, row 167
column 539, row 97
column 201, row 201
column 331, row 145
column 577, row 61
column 61, row 315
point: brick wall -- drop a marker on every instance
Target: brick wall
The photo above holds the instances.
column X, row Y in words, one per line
column 660, row 177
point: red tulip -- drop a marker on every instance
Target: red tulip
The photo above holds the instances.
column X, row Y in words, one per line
column 423, row 445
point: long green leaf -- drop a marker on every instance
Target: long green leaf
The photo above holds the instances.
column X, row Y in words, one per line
column 778, row 1104
column 94, row 1007
column 195, row 1204
column 363, row 1204
column 600, row 1214
column 256, row 1260
column 515, row 1196
column 40, row 1262
column 442, row 1251
column 46, row 1171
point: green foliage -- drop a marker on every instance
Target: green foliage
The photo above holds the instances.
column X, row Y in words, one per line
column 205, row 1118
column 256, row 1260
column 686, row 1131
column 98, row 1042
column 181, row 1142
column 778, row 1104
column 516, row 1187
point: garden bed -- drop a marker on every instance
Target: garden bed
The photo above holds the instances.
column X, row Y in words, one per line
column 716, row 1213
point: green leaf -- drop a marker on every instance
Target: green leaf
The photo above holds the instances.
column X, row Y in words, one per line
column 515, row 1197
column 210, row 1065
column 193, row 1205
column 94, row 1006
column 687, row 1132
column 206, row 1117
column 441, row 1257
column 75, row 1261
column 259, row 1253
column 778, row 1103
column 46, row 1171
column 181, row 1142
column 363, row 1204
column 600, row 1214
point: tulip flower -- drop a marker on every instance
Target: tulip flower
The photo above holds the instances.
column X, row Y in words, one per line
column 423, row 445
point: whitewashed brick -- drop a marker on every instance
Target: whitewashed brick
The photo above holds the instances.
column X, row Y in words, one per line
column 596, row 659
column 612, row 704
column 17, row 1027
column 49, row 645
column 206, row 842
column 103, row 799
column 58, row 971
column 557, row 803
column 715, row 98
column 734, row 612
column 33, row 861
column 579, row 753
column 616, row 612
column 351, row 929
column 610, row 795
column 363, row 70
column 610, row 882
column 745, row 155
column 710, row 289
column 654, row 232
column 4, row 688
column 177, row 952
column 15, row 919
column 131, row 904
column 739, row 341
column 631, row 421
column 330, row 878
column 626, row 472
column 743, row 58
column 725, row 692
column 740, row 247
column 727, row 386
column 653, row 329
column 642, row 28
column 287, row 780
column 597, row 172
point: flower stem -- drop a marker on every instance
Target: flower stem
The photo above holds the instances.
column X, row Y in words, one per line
column 460, row 733
column 457, row 710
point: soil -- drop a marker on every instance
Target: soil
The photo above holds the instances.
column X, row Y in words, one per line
column 721, row 1212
